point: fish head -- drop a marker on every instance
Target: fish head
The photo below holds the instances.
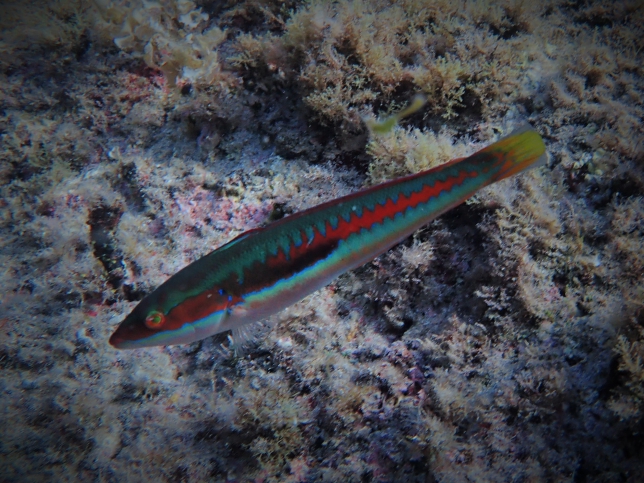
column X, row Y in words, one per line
column 162, row 319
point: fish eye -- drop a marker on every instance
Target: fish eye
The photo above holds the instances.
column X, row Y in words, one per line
column 154, row 320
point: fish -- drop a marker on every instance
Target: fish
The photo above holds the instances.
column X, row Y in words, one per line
column 264, row 270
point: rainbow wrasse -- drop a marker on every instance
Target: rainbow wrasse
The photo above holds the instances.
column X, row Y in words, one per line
column 267, row 269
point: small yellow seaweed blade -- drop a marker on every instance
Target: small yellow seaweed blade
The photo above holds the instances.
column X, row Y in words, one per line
column 386, row 125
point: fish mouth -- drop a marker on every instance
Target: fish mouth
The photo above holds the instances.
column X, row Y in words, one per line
column 119, row 342
column 116, row 340
column 127, row 336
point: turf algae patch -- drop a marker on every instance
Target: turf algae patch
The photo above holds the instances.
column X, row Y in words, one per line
column 521, row 360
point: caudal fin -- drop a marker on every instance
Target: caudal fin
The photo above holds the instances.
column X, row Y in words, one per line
column 521, row 150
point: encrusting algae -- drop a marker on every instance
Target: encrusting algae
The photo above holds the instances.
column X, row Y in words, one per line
column 501, row 342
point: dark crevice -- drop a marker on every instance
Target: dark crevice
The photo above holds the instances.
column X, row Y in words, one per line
column 102, row 222
column 130, row 189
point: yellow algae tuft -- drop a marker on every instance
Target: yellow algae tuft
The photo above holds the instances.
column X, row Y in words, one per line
column 385, row 125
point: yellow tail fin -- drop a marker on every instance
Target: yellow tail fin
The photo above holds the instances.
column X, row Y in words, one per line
column 521, row 150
